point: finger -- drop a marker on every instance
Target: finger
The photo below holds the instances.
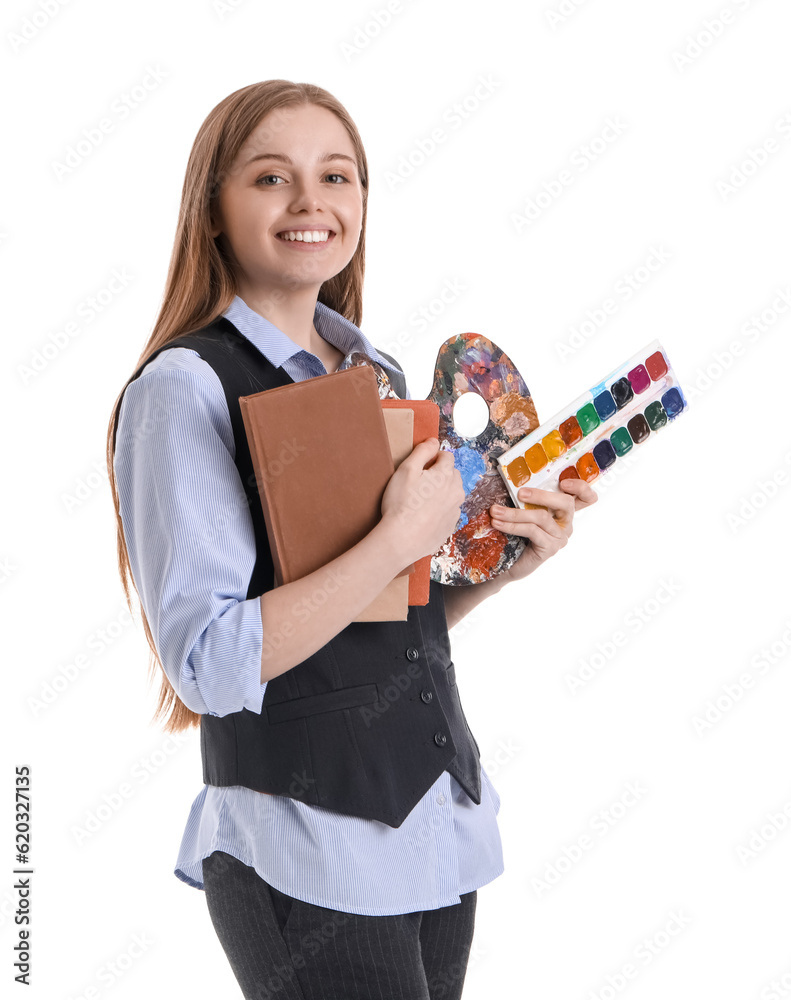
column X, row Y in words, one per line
column 444, row 465
column 514, row 520
column 559, row 505
column 583, row 493
column 544, row 541
column 422, row 453
column 443, row 474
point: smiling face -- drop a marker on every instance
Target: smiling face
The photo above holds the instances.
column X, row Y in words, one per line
column 296, row 174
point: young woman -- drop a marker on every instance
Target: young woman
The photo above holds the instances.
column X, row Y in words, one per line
column 340, row 845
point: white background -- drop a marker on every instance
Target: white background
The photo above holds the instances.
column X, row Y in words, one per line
column 702, row 512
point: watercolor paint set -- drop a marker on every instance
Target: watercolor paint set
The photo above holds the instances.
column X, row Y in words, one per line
column 591, row 434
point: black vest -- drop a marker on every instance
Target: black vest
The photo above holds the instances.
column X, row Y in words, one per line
column 366, row 724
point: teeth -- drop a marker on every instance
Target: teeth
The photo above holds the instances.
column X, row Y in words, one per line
column 307, row 235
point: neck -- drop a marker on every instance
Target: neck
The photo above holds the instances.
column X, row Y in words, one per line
column 291, row 312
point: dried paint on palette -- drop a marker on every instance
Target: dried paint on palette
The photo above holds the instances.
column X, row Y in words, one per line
column 356, row 358
column 476, row 551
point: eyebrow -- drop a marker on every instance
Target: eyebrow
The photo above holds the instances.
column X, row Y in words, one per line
column 285, row 159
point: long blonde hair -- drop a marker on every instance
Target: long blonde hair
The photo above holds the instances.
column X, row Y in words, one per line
column 201, row 284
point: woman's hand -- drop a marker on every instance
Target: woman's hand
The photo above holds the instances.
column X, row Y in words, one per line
column 548, row 529
column 422, row 501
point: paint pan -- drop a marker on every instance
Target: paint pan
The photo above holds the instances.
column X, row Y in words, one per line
column 593, row 433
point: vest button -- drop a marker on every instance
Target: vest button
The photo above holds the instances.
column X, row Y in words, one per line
column 440, row 739
column 426, row 696
column 412, row 653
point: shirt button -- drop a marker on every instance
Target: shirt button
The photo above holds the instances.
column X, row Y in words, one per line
column 441, row 799
column 440, row 739
column 412, row 653
column 426, row 696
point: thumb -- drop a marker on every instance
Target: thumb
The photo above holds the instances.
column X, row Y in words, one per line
column 423, row 452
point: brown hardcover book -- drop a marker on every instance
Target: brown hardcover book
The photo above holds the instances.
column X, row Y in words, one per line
column 425, row 425
column 392, row 603
column 322, row 460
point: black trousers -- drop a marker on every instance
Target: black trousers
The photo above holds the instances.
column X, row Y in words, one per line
column 281, row 948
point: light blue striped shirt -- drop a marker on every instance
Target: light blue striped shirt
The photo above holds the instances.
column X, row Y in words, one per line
column 191, row 549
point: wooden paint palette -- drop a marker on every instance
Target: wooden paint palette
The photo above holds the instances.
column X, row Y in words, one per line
column 476, row 551
column 386, row 391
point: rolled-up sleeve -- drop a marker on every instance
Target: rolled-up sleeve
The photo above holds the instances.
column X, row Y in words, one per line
column 189, row 533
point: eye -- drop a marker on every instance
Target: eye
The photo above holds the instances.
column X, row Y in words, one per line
column 275, row 177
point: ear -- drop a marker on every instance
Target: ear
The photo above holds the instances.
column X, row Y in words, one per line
column 215, row 222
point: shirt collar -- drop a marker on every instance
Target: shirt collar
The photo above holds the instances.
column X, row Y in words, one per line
column 277, row 347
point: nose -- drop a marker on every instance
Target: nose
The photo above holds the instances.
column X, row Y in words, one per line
column 307, row 195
